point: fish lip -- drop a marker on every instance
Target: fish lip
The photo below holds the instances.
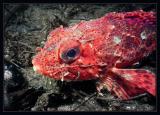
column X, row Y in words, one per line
column 37, row 69
column 34, row 68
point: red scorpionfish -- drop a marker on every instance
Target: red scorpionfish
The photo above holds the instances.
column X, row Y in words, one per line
column 102, row 49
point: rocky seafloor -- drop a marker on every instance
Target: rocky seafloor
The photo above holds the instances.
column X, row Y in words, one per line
column 26, row 27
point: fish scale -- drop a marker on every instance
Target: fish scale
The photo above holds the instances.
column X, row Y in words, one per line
column 101, row 49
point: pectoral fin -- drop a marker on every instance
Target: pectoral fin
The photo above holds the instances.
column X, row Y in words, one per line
column 128, row 83
column 140, row 78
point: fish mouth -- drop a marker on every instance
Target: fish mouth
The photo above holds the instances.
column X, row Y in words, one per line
column 36, row 68
column 61, row 71
column 47, row 70
column 57, row 74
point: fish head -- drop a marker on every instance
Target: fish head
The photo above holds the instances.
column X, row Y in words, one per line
column 66, row 57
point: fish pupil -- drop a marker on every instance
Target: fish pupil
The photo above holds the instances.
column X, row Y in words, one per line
column 71, row 53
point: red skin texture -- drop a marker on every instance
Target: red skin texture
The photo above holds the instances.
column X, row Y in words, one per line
column 116, row 40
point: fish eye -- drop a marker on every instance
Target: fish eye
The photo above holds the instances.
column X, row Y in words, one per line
column 70, row 54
